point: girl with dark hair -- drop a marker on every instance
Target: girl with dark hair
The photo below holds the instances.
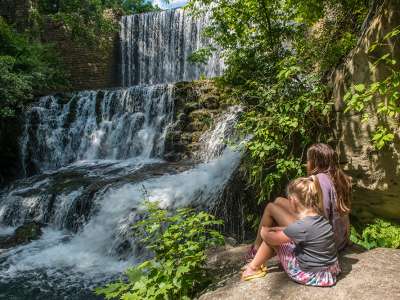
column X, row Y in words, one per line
column 323, row 162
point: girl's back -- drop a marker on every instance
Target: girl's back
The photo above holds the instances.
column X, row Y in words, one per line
column 315, row 244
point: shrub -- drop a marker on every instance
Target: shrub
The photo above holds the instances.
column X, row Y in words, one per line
column 278, row 55
column 177, row 270
column 25, row 66
column 380, row 234
column 89, row 21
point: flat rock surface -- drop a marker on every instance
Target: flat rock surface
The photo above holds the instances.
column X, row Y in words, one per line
column 366, row 275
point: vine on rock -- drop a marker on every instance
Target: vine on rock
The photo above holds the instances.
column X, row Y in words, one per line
column 360, row 96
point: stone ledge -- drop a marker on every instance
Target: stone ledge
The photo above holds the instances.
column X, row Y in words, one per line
column 366, row 275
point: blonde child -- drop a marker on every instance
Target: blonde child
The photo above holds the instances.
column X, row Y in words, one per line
column 306, row 247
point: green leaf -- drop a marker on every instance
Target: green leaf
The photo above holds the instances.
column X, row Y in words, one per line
column 359, row 87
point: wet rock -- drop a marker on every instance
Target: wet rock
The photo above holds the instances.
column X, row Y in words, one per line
column 191, row 106
column 183, row 119
column 22, row 235
column 172, row 156
column 196, row 136
column 63, row 97
column 186, row 137
column 210, row 102
column 197, row 105
column 198, row 126
column 230, row 241
column 235, row 208
column 365, row 275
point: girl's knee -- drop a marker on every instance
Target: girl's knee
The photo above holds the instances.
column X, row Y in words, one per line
column 280, row 200
column 270, row 206
column 263, row 232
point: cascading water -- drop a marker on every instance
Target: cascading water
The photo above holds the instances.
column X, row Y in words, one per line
column 86, row 244
column 156, row 48
column 214, row 141
column 117, row 124
column 91, row 159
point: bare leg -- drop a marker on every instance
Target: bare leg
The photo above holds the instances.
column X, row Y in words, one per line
column 278, row 212
column 264, row 253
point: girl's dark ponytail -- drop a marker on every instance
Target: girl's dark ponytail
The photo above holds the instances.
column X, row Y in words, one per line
column 323, row 159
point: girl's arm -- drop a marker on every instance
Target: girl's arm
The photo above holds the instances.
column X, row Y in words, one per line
column 274, row 238
column 276, row 228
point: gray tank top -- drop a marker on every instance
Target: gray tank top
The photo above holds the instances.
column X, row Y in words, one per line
column 315, row 243
column 340, row 223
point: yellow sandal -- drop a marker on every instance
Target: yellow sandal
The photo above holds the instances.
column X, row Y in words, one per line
column 260, row 273
column 263, row 267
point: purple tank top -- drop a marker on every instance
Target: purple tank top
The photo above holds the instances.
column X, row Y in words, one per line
column 340, row 223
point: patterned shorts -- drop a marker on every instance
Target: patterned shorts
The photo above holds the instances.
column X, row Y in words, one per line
column 291, row 265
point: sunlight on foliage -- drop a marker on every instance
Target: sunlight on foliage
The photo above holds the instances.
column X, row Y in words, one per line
column 201, row 56
column 178, row 242
column 277, row 55
column 360, row 97
column 88, row 21
column 380, row 234
column 25, row 66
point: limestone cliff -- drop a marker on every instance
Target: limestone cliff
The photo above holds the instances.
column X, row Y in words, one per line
column 376, row 174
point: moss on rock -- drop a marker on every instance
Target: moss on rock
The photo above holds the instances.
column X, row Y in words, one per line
column 197, row 105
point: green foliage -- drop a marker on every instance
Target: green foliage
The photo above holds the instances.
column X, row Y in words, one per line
column 89, row 21
column 360, row 97
column 178, row 242
column 201, row 56
column 25, row 66
column 28, row 66
column 380, row 234
column 277, row 55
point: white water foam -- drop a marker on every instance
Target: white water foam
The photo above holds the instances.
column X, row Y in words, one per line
column 91, row 253
column 6, row 230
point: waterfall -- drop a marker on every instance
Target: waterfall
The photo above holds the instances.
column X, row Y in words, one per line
column 116, row 124
column 90, row 159
column 88, row 208
column 214, row 142
column 155, row 48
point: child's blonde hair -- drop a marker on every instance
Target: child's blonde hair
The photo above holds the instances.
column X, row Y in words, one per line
column 308, row 191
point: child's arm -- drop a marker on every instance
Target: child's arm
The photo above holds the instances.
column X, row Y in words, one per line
column 275, row 238
column 276, row 228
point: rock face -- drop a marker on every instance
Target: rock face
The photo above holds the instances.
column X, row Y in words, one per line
column 376, row 174
column 197, row 105
column 366, row 275
column 22, row 235
column 10, row 129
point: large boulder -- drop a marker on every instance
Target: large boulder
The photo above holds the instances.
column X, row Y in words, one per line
column 366, row 275
column 22, row 235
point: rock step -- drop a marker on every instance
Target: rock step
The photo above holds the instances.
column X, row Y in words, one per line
column 366, row 275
